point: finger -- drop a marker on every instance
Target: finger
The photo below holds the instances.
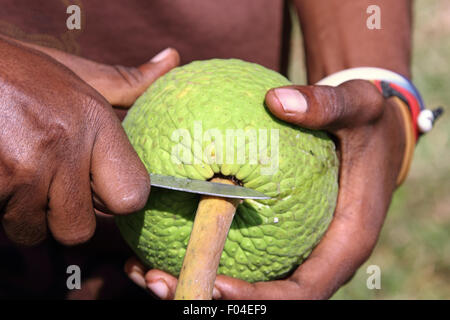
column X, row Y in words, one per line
column 351, row 104
column 162, row 284
column 147, row 73
column 121, row 86
column 24, row 218
column 70, row 215
column 135, row 270
column 119, row 179
column 228, row 288
column 334, row 261
column 364, row 196
column 346, row 245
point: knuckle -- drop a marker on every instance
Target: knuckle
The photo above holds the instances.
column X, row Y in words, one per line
column 374, row 101
column 21, row 233
column 338, row 106
column 332, row 106
column 57, row 131
column 370, row 102
column 34, row 159
column 74, row 235
column 376, row 106
column 97, row 114
column 94, row 106
column 129, row 76
column 26, row 168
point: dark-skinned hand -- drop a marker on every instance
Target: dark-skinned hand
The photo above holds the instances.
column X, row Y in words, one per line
column 63, row 152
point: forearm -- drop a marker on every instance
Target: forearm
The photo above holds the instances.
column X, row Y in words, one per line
column 336, row 36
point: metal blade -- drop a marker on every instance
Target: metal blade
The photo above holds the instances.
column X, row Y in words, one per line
column 205, row 187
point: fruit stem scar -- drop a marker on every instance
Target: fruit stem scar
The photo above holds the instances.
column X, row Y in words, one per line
column 209, row 233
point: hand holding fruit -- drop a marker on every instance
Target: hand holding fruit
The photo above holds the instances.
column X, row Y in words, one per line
column 62, row 144
column 370, row 142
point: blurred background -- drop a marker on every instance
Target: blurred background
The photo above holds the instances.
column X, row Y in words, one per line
column 413, row 251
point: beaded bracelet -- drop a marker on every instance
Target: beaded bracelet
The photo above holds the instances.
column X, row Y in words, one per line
column 417, row 119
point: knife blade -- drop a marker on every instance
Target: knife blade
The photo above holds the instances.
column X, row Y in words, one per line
column 205, row 187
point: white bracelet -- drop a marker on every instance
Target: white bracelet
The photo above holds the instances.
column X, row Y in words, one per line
column 425, row 118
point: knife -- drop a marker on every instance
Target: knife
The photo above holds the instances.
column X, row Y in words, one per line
column 205, row 187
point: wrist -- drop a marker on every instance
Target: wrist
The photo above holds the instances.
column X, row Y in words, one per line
column 416, row 120
column 391, row 84
column 319, row 70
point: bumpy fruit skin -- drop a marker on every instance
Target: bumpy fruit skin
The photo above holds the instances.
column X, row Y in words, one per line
column 268, row 238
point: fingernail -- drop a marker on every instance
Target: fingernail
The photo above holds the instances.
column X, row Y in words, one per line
column 216, row 294
column 137, row 278
column 161, row 56
column 159, row 288
column 291, row 100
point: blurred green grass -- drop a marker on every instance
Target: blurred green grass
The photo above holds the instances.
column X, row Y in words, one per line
column 413, row 251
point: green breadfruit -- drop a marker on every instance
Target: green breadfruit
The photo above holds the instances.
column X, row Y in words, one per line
column 175, row 127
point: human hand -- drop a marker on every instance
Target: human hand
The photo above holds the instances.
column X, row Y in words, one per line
column 370, row 139
column 119, row 85
column 63, row 150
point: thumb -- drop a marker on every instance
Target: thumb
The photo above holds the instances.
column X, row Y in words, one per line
column 350, row 104
column 121, row 86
